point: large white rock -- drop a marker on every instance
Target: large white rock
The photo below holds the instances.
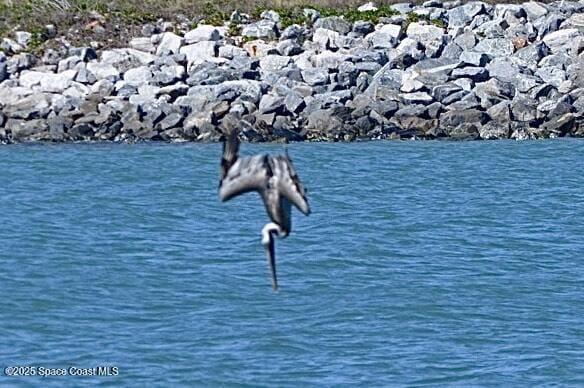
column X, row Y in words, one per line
column 169, row 44
column 326, row 39
column 430, row 36
column 48, row 82
column 201, row 52
column 202, row 33
column 138, row 76
column 103, row 71
column 559, row 41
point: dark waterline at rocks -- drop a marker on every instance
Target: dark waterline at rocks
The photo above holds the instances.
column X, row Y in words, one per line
column 439, row 70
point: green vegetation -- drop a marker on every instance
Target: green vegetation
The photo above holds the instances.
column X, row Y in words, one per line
column 413, row 17
column 33, row 15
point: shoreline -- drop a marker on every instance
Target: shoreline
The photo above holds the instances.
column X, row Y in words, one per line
column 440, row 70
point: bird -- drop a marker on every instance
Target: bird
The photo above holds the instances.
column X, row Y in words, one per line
column 274, row 178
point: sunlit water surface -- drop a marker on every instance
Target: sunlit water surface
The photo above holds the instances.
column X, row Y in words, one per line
column 423, row 263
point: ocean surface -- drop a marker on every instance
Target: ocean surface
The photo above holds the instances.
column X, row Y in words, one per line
column 422, row 264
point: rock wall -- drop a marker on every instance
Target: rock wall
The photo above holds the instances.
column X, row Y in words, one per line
column 439, row 70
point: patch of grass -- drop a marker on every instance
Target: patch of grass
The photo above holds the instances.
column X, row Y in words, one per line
column 129, row 14
column 246, row 39
column 354, row 15
column 234, row 29
column 290, row 16
column 413, row 17
column 439, row 23
column 214, row 15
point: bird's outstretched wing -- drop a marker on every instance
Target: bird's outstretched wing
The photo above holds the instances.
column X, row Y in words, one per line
column 290, row 187
column 245, row 175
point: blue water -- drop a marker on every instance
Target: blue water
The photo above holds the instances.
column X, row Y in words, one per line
column 423, row 263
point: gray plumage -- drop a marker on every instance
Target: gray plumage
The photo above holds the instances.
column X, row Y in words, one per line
column 274, row 178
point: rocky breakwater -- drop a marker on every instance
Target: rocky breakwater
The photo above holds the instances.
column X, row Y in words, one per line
column 438, row 70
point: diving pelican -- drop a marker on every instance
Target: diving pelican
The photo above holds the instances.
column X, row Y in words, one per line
column 274, row 178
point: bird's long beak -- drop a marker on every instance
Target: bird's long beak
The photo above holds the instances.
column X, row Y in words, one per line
column 271, row 255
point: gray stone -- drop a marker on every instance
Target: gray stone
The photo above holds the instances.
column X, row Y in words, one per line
column 315, row 76
column 410, row 85
column 23, row 38
column 403, row 8
column 384, row 38
column 34, row 106
column 534, row 10
column 20, row 62
column 169, row 44
column 103, row 71
column 294, row 103
column 467, row 40
column 271, row 103
column 48, row 82
column 575, row 21
column 326, row 39
column 542, row 91
column 503, row 69
column 494, row 91
column 440, row 92
column 289, row 47
column 474, row 58
column 3, row 71
column 477, row 74
column 124, row 89
column 463, row 124
column 531, row 55
column 548, row 24
column 274, row 62
column 263, row 29
column 231, row 52
column 329, row 60
column 467, row 102
column 452, row 50
column 142, row 44
column 200, row 52
column 579, row 105
column 294, row 31
column 202, row 33
column 10, row 46
column 334, row 23
column 524, row 110
column 416, row 98
column 479, row 20
column 559, row 41
column 500, row 112
column 464, row 14
column 270, row 15
column 551, row 75
column 102, row 88
column 464, row 83
column 560, row 61
column 562, row 125
column 28, row 130
column 68, row 63
column 494, row 130
column 430, row 36
column 363, row 27
column 171, row 120
column 408, row 52
column 326, row 123
column 245, row 90
column 138, row 76
column 168, row 75
column 455, row 98
column 497, row 47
